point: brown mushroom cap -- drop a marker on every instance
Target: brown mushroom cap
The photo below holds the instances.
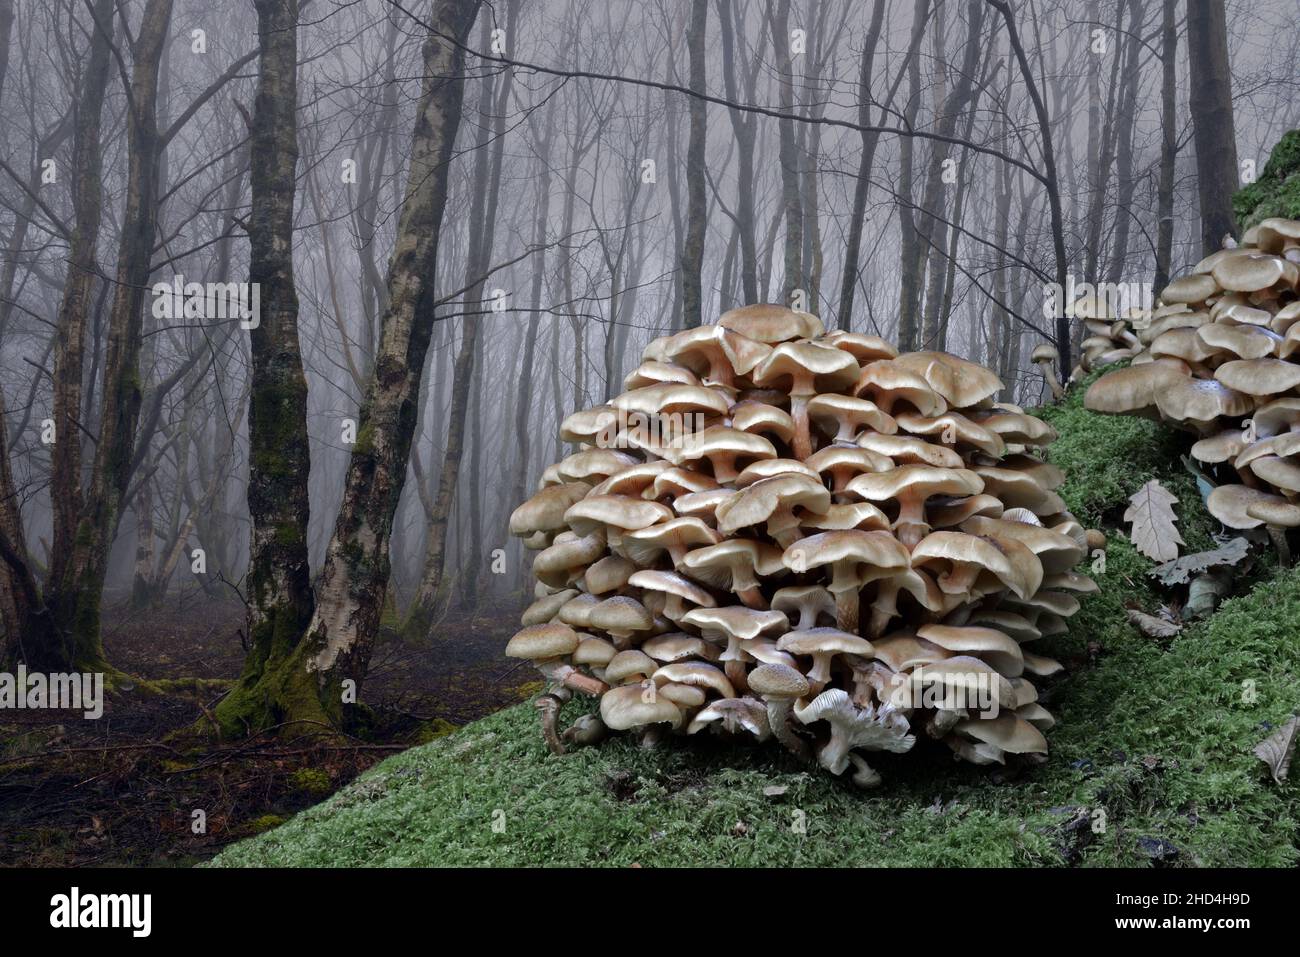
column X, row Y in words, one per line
column 774, row 501
column 1132, row 390
column 543, row 642
column 777, row 681
column 594, row 652
column 823, row 644
column 675, row 536
column 1232, row 504
column 627, row 707
column 962, row 430
column 564, row 561
column 1259, row 376
column 841, row 417
column 887, row 383
column 861, row 515
column 1219, row 448
column 807, row 368
column 734, row 564
column 807, row 601
column 677, row 588
column 864, row 348
column 699, row 674
column 961, row 383
column 544, row 512
column 608, row 574
column 629, row 664
column 771, row 323
column 761, row 418
column 621, row 616
column 547, row 607
column 721, row 447
column 670, row 397
column 910, row 450
column 678, row 646
column 618, row 513
column 998, row 649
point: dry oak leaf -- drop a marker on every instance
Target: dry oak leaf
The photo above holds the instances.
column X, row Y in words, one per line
column 1277, row 749
column 1152, row 514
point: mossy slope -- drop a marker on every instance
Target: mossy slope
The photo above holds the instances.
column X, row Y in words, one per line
column 1152, row 756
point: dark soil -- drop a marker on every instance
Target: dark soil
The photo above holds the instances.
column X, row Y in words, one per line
column 112, row 791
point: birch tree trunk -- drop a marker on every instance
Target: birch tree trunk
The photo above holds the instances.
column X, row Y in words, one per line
column 66, row 635
column 279, row 591
column 353, row 581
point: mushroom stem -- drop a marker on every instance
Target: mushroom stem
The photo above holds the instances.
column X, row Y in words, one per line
column 1053, row 382
column 778, row 716
column 801, row 441
column 548, row 706
column 750, row 594
column 585, row 683
column 735, row 671
column 1278, row 536
column 959, row 579
column 863, row 774
column 846, row 610
column 911, row 525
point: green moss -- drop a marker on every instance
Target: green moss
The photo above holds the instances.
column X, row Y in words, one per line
column 1153, row 739
column 264, row 823
column 1277, row 190
column 311, row 780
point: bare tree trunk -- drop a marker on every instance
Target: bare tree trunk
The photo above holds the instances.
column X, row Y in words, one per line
column 779, row 21
column 1049, row 178
column 1213, row 128
column 1126, row 182
column 909, row 242
column 934, row 227
column 866, row 156
column 484, row 190
column 744, row 126
column 69, row 354
column 69, row 638
column 696, row 203
column 353, row 581
column 1168, row 142
column 274, row 687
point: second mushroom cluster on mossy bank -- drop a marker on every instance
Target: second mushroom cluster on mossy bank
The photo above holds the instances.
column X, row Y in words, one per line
column 1222, row 360
column 781, row 533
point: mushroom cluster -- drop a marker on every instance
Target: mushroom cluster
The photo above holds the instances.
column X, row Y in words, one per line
column 779, row 532
column 1111, row 338
column 1222, row 360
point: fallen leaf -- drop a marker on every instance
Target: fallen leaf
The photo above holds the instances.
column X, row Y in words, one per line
column 1277, row 749
column 1151, row 626
column 1206, row 591
column 1152, row 515
column 1179, row 571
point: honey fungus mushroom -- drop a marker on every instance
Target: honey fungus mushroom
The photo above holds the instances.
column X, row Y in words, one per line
column 705, row 550
column 1223, row 362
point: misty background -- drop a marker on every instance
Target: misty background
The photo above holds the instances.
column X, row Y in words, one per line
column 573, row 204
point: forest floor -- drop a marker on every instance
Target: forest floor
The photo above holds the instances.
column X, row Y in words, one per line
column 112, row 791
column 1152, row 759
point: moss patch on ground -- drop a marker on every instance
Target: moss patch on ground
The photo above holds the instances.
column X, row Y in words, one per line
column 1151, row 760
